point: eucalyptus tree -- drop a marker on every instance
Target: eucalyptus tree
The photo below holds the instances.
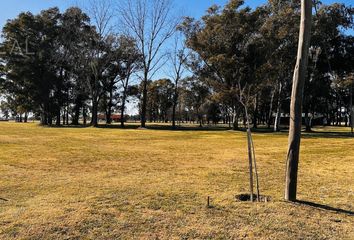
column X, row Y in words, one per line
column 2, row 72
column 111, row 77
column 160, row 100
column 230, row 50
column 5, row 109
column 296, row 101
column 98, row 54
column 32, row 73
column 74, row 39
column 331, row 52
column 327, row 37
column 280, row 31
column 224, row 41
column 196, row 94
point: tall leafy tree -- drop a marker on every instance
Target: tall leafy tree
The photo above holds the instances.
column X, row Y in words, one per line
column 74, row 39
column 32, row 74
column 279, row 31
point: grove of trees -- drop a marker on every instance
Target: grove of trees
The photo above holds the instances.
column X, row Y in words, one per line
column 67, row 68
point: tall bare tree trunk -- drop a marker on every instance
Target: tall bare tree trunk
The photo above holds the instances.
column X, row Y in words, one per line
column 174, row 107
column 124, row 98
column 94, row 119
column 26, row 117
column 84, row 114
column 278, row 114
column 255, row 114
column 235, row 120
column 58, row 116
column 296, row 101
column 270, row 114
column 144, row 101
column 110, row 105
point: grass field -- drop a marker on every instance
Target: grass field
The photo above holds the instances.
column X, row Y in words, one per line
column 105, row 183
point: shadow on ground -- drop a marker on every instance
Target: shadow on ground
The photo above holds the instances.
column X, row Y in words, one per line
column 321, row 134
column 324, row 207
column 148, row 127
column 262, row 129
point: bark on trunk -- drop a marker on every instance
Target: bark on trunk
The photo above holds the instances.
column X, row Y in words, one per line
column 123, row 109
column 50, row 119
column 174, row 115
column 67, row 108
column 144, row 102
column 64, row 115
column 67, row 116
column 75, row 119
column 255, row 114
column 307, row 121
column 270, row 115
column 109, row 107
column 175, row 102
column 58, row 117
column 94, row 120
column 84, row 114
column 44, row 115
column 235, row 121
column 278, row 114
column 296, row 101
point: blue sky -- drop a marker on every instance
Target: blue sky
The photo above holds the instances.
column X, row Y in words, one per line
column 11, row 8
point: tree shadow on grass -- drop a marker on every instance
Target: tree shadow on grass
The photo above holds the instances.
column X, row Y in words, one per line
column 65, row 126
column 116, row 126
column 187, row 128
column 262, row 130
column 210, row 128
column 108, row 126
column 321, row 134
column 166, row 127
column 148, row 127
column 324, row 207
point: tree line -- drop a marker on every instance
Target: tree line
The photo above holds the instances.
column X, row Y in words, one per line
column 232, row 65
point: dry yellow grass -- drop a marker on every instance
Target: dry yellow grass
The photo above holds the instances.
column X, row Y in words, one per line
column 86, row 183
